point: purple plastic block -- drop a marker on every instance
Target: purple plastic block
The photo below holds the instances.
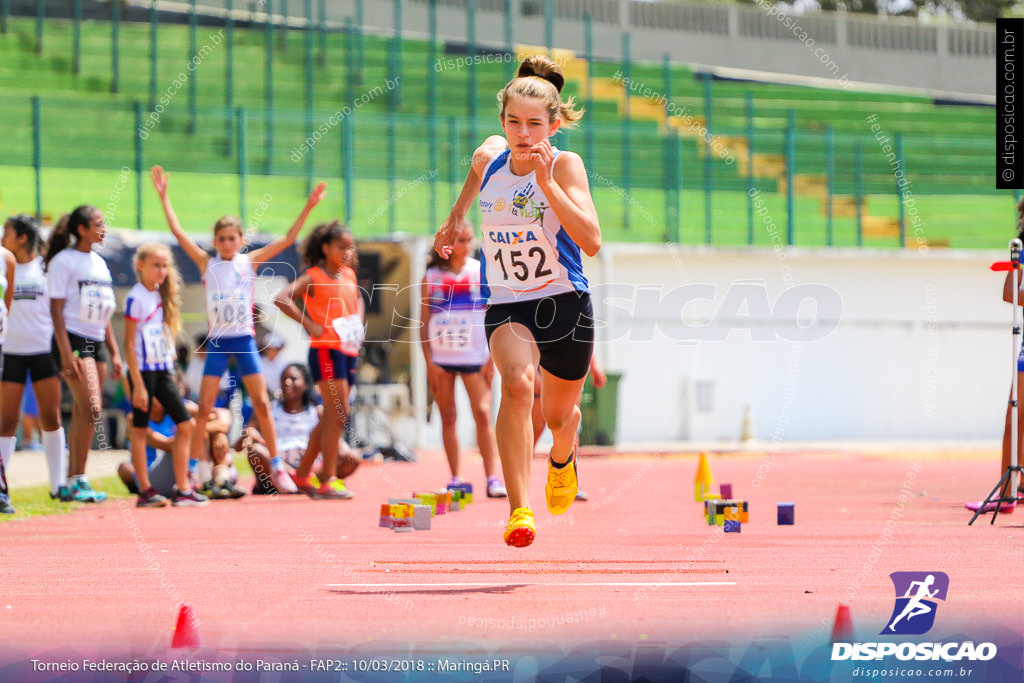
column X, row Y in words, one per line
column 786, row 513
column 726, row 491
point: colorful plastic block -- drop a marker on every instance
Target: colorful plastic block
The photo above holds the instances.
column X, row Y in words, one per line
column 787, row 513
column 421, row 517
column 467, row 491
column 732, row 527
column 726, row 490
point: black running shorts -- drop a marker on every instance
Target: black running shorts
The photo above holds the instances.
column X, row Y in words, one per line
column 83, row 347
column 17, row 368
column 160, row 385
column 562, row 325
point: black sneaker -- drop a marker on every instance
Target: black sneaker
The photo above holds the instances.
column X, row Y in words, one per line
column 151, row 499
column 190, row 498
column 63, row 495
column 212, row 491
column 229, row 490
column 5, row 505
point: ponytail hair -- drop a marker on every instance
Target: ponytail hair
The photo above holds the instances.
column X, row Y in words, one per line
column 170, row 288
column 26, row 226
column 542, row 79
column 325, row 233
column 66, row 227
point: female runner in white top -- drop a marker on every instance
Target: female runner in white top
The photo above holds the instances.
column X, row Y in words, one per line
column 27, row 352
column 538, row 216
column 81, row 305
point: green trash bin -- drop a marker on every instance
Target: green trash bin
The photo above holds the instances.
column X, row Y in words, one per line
column 600, row 408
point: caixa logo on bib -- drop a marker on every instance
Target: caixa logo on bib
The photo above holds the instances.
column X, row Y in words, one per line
column 917, row 601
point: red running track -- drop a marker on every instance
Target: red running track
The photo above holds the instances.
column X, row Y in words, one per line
column 276, row 573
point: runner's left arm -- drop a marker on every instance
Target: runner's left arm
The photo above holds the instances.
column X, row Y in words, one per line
column 567, row 188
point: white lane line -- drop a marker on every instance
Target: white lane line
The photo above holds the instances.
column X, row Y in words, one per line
column 529, row 583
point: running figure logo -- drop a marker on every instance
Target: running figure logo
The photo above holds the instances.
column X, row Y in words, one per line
column 916, row 594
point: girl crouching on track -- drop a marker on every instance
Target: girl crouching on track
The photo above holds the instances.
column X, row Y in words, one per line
column 296, row 417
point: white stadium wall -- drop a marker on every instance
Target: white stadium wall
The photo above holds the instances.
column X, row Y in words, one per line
column 907, row 344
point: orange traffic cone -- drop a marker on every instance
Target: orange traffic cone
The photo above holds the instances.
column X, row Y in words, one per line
column 186, row 632
column 842, row 629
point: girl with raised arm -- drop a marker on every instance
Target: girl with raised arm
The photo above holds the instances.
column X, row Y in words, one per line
column 229, row 279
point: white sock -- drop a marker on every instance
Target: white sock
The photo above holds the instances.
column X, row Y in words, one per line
column 220, row 475
column 205, row 471
column 56, row 458
column 7, row 450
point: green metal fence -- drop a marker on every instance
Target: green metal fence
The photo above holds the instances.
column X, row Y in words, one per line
column 242, row 108
column 668, row 187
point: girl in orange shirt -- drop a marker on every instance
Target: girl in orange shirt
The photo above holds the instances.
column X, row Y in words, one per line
column 326, row 301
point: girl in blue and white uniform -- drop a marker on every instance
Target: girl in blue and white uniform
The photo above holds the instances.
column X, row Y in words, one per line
column 229, row 280
column 454, row 345
column 152, row 323
column 538, row 216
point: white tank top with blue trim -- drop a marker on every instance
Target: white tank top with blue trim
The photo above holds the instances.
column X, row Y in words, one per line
column 456, row 327
column 527, row 253
column 230, row 288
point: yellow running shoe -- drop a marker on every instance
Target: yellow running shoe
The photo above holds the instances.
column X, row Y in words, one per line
column 562, row 485
column 520, row 531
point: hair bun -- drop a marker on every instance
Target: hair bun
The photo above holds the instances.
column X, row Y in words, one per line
column 542, row 67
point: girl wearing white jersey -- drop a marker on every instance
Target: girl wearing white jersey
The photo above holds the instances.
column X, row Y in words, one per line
column 229, row 279
column 454, row 344
column 537, row 217
column 27, row 353
column 296, row 418
column 152, row 322
column 81, row 305
column 9, row 265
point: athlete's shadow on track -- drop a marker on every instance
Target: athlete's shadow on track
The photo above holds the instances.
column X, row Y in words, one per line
column 409, row 590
